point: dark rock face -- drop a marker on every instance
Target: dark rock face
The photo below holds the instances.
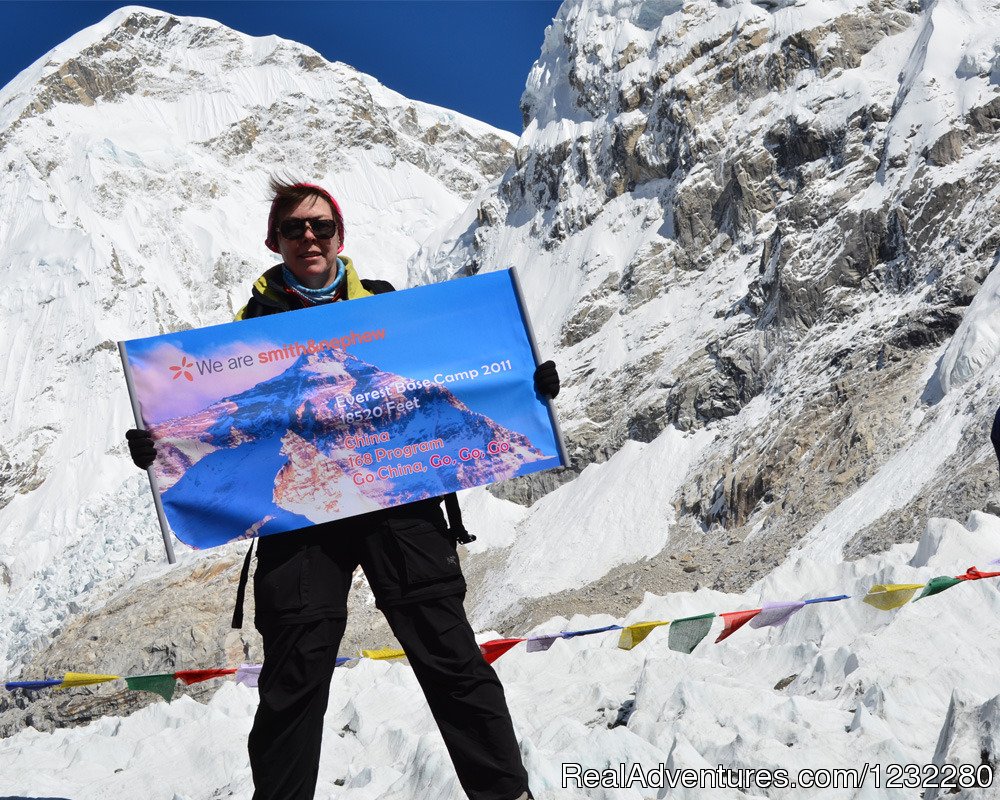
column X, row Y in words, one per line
column 946, row 150
column 985, row 120
column 794, row 144
column 526, row 490
column 720, row 381
column 749, row 193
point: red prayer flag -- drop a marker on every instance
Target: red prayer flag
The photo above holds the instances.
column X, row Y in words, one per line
column 190, row 676
column 735, row 620
column 973, row 574
column 492, row 650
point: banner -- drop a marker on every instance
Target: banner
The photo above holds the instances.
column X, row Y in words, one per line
column 277, row 423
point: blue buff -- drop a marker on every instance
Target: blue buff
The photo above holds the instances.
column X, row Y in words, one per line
column 316, row 295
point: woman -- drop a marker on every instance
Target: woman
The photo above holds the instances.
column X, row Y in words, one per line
column 407, row 552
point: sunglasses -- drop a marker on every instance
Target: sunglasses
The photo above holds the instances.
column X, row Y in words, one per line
column 296, row 228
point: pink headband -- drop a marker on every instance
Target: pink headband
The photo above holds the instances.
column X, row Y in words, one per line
column 272, row 245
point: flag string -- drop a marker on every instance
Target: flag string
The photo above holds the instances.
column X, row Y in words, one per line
column 684, row 634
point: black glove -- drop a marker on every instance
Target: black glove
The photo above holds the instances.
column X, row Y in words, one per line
column 547, row 379
column 140, row 446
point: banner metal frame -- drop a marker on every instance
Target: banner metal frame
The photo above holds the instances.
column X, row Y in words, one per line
column 153, row 483
column 549, row 404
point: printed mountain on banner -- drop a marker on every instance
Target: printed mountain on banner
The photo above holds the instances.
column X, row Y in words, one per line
column 288, row 470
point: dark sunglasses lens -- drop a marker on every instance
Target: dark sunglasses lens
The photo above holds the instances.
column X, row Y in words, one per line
column 323, row 228
column 292, row 228
column 296, row 228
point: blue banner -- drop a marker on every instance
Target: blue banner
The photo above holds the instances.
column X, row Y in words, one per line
column 280, row 422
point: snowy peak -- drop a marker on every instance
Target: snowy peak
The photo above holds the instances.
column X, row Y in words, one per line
column 136, row 159
column 228, row 88
column 111, row 58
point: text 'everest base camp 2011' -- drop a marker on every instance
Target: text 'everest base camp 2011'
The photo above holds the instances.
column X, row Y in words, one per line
column 726, row 517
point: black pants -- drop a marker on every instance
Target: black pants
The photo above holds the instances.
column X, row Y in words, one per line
column 462, row 690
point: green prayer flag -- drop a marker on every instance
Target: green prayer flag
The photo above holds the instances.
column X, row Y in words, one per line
column 935, row 585
column 163, row 685
column 687, row 632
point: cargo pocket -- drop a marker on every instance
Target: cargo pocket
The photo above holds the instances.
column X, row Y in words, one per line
column 426, row 554
column 281, row 581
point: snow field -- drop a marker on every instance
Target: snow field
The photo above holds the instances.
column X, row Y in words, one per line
column 866, row 687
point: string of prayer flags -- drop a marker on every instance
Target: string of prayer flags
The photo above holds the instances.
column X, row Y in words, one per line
column 776, row 613
column 163, row 685
column 72, row 679
column 492, row 650
column 734, row 620
column 887, row 596
column 190, row 676
column 383, row 654
column 10, row 686
column 633, row 635
column 687, row 632
column 937, row 585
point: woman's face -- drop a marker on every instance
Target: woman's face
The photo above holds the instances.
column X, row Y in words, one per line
column 312, row 261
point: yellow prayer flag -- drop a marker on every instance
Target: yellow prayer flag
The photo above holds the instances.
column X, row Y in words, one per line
column 384, row 653
column 632, row 635
column 891, row 595
column 84, row 679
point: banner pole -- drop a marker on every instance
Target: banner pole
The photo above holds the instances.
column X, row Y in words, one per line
column 553, row 418
column 164, row 529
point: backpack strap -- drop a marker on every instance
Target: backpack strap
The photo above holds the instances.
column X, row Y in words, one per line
column 241, row 590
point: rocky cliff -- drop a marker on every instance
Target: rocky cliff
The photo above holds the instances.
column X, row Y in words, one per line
column 777, row 215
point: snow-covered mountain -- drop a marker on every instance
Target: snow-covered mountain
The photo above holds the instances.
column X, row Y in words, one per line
column 136, row 157
column 760, row 240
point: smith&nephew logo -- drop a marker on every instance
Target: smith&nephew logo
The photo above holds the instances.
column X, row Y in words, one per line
column 211, row 366
column 183, row 369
